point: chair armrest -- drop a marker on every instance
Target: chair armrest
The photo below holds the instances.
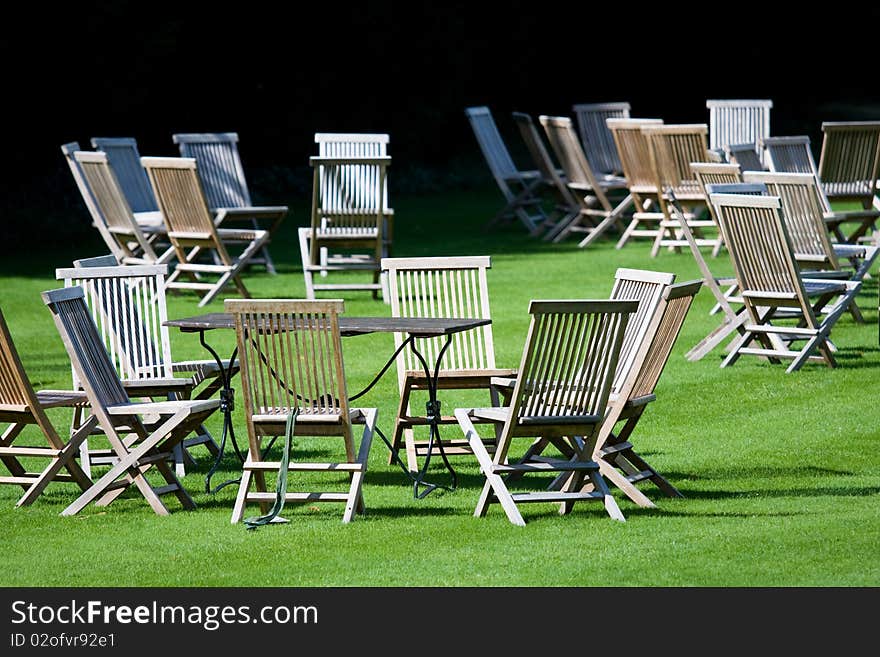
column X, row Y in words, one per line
column 850, row 215
column 275, row 212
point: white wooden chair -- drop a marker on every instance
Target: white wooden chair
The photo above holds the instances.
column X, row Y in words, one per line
column 521, row 189
column 596, row 138
column 191, row 227
column 125, row 161
column 441, row 287
column 291, row 362
column 738, row 122
column 225, row 186
column 22, row 406
column 139, row 440
column 350, row 227
column 769, row 279
column 561, row 392
column 127, row 304
column 592, row 191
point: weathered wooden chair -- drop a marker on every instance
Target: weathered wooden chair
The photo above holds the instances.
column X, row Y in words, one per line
column 20, row 406
column 125, row 161
column 561, row 393
column 738, row 122
column 441, row 287
column 592, row 191
column 291, row 363
column 746, row 156
column 128, row 306
column 225, row 186
column 712, row 173
column 672, row 149
column 191, row 225
column 139, row 440
column 789, row 155
column 567, row 207
column 129, row 241
column 350, row 228
column 596, row 138
column 520, row 188
column 849, row 167
column 635, row 158
column 769, row 279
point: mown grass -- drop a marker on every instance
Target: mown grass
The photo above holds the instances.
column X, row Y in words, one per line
column 781, row 473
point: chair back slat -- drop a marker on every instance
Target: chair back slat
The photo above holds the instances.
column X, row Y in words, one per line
column 290, row 352
column 359, row 146
column 179, row 194
column 569, row 358
column 738, row 121
column 88, row 355
column 493, row 148
column 673, row 148
column 746, row 156
column 596, row 138
column 848, row 164
column 632, row 147
column 219, row 167
column 125, row 160
column 106, row 191
column 349, row 194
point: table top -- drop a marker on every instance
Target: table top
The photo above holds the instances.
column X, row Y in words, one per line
column 417, row 326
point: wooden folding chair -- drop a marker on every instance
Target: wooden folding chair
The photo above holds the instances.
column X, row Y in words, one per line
column 849, row 166
column 20, row 406
column 769, row 279
column 441, row 287
column 567, row 207
column 597, row 214
column 789, row 155
column 147, row 443
column 128, row 306
column 745, row 155
column 125, row 161
column 349, row 226
column 635, row 158
column 190, row 225
column 596, row 138
column 225, row 186
column 561, row 393
column 672, row 149
column 291, row 362
column 520, row 188
column 738, row 122
column 712, row 173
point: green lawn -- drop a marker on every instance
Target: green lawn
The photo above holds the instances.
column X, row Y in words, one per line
column 780, row 472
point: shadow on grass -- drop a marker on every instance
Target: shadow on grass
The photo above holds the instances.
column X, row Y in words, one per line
column 836, row 491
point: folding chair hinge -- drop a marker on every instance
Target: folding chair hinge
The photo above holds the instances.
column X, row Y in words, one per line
column 432, row 411
column 227, row 400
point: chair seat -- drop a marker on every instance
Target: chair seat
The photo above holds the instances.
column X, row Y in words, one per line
column 55, row 398
column 164, row 407
column 419, row 375
column 493, row 414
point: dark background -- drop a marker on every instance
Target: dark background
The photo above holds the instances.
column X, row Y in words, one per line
column 277, row 73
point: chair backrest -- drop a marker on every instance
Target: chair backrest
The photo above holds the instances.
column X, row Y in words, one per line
column 355, row 145
column 88, row 356
column 738, row 121
column 219, row 166
column 632, row 147
column 539, row 153
column 348, row 194
column 127, row 304
column 712, row 173
column 789, row 154
column 746, row 156
column 672, row 149
column 596, row 137
column 290, row 353
column 443, row 287
column 179, row 193
column 564, row 142
column 568, row 362
column 646, row 287
column 493, row 148
column 802, row 211
column 125, row 160
column 849, row 161
column 16, row 392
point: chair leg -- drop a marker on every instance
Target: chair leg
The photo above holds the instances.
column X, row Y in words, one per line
column 304, row 236
column 627, row 487
column 241, row 498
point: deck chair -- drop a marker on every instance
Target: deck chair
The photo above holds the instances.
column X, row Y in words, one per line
column 672, row 149
column 635, row 158
column 225, row 186
column 190, row 225
column 849, row 167
column 746, row 156
column 441, row 287
column 769, row 279
column 350, row 228
column 567, row 207
column 738, row 122
column 21, row 406
column 565, row 376
column 595, row 136
column 139, row 439
column 592, row 191
column 291, row 362
column 127, row 305
column 520, row 188
column 125, row 161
